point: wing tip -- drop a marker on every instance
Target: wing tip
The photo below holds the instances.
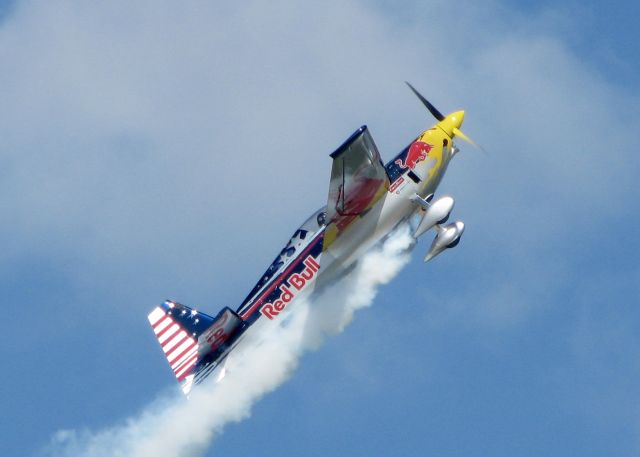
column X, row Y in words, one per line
column 343, row 147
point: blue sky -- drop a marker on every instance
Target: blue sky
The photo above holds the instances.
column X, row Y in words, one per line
column 154, row 151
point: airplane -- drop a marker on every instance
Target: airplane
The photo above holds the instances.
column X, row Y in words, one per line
column 367, row 201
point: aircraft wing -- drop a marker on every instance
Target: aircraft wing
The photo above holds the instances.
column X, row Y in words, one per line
column 358, row 181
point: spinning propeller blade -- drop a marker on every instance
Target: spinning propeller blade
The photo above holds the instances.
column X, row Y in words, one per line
column 459, row 133
column 450, row 124
column 432, row 109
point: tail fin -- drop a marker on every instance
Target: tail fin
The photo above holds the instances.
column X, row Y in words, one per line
column 192, row 341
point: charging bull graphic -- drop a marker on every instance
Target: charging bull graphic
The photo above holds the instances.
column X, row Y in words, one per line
column 417, row 153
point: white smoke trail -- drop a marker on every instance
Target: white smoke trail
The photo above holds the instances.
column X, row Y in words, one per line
column 260, row 363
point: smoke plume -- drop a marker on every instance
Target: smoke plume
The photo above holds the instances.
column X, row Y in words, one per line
column 261, row 362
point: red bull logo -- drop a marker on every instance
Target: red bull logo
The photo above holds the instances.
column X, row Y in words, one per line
column 296, row 282
column 417, row 153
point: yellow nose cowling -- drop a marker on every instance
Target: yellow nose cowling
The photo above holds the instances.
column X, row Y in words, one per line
column 451, row 123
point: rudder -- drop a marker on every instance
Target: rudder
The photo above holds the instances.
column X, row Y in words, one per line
column 191, row 340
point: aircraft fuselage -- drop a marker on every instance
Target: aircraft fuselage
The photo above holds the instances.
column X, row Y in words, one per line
column 305, row 261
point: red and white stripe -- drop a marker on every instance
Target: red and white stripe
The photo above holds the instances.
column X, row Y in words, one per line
column 180, row 348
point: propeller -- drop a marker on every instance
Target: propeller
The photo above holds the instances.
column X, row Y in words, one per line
column 432, row 109
column 450, row 124
column 457, row 132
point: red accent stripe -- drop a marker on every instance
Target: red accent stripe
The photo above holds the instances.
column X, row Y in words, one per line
column 164, row 330
column 161, row 320
column 276, row 283
column 179, row 363
column 186, row 368
column 179, row 336
column 166, row 327
column 193, row 343
column 395, row 184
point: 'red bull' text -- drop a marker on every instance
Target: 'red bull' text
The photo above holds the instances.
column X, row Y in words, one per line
column 292, row 286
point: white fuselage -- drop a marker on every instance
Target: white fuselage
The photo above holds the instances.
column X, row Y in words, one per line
column 381, row 219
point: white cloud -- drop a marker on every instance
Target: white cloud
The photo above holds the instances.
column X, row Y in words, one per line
column 121, row 118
